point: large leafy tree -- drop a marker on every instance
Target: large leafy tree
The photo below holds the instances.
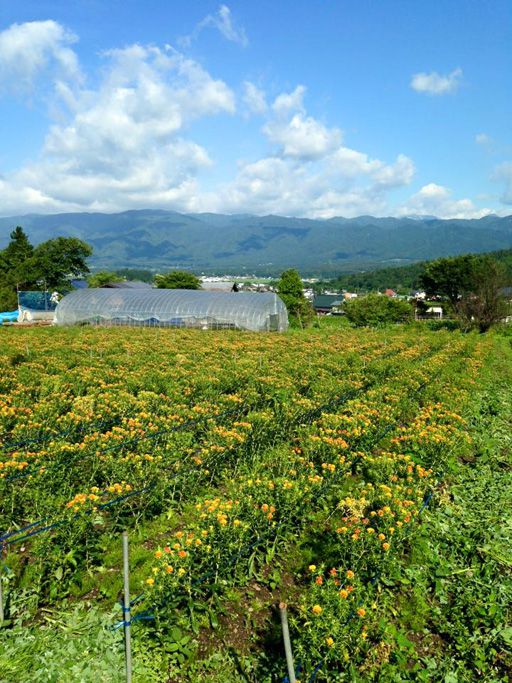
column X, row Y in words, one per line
column 451, row 277
column 177, row 279
column 473, row 285
column 291, row 291
column 56, row 261
column 50, row 265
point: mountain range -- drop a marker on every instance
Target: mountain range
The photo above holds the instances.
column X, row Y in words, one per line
column 161, row 240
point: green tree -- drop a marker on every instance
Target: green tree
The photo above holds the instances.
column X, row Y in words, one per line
column 102, row 278
column 473, row 284
column 376, row 310
column 50, row 265
column 13, row 271
column 450, row 277
column 291, row 291
column 55, row 262
column 177, row 279
column 484, row 305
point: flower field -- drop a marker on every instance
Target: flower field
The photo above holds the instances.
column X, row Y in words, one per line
column 248, row 469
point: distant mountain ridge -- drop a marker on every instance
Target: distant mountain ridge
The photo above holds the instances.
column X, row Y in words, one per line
column 263, row 244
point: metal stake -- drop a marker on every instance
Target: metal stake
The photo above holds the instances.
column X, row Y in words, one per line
column 126, row 610
column 1, row 587
column 287, row 643
column 1, row 601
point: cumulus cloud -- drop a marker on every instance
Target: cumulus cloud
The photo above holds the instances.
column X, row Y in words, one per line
column 302, row 137
column 289, row 102
column 254, row 98
column 223, row 22
column 129, row 142
column 436, row 200
column 436, row 84
column 27, row 50
column 125, row 144
column 310, row 172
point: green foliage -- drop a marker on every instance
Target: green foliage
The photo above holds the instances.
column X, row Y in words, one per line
column 177, row 279
column 472, row 284
column 102, row 278
column 58, row 260
column 291, row 291
column 284, row 483
column 50, row 265
column 402, row 279
column 65, row 646
column 135, row 274
column 451, row 277
column 375, row 310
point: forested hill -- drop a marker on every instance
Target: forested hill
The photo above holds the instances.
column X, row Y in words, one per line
column 401, row 278
column 263, row 244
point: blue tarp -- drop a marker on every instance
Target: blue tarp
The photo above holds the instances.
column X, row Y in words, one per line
column 37, row 301
column 9, row 317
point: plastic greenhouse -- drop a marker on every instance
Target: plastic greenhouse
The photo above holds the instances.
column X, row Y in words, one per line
column 253, row 311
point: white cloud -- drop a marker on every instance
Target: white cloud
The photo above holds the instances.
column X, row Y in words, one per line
column 254, row 98
column 125, row 144
column 483, row 139
column 129, row 142
column 436, row 84
column 436, row 200
column 302, row 137
column 223, row 22
column 28, row 49
column 289, row 102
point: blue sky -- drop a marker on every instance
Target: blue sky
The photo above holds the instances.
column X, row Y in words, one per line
column 309, row 108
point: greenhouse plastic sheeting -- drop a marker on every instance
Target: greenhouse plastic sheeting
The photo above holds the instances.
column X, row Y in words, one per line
column 174, row 308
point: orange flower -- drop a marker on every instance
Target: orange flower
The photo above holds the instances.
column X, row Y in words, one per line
column 350, row 574
column 361, row 612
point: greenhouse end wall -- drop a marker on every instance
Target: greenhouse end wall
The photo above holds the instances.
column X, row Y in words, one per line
column 257, row 312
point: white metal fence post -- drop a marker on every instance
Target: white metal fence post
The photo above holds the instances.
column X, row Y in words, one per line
column 126, row 610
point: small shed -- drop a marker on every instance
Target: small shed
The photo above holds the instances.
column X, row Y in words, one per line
column 435, row 312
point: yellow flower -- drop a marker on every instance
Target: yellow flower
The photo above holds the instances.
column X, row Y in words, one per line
column 158, row 554
column 350, row 574
column 150, row 581
column 316, row 609
column 312, row 567
column 385, row 546
column 329, row 641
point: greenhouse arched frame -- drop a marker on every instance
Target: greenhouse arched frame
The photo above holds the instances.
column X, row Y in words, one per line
column 254, row 311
